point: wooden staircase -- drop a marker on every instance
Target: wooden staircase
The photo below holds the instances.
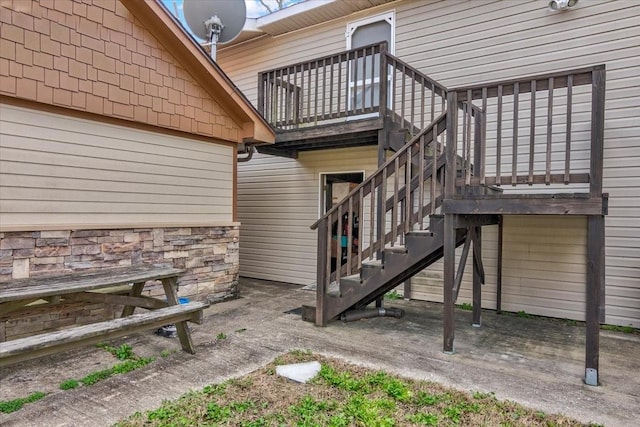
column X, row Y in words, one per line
column 462, row 159
column 377, row 277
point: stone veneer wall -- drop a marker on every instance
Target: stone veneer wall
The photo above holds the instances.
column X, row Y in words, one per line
column 209, row 254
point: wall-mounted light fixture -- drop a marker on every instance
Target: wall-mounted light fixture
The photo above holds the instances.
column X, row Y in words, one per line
column 555, row 5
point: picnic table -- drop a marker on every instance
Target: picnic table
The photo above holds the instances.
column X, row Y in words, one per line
column 97, row 287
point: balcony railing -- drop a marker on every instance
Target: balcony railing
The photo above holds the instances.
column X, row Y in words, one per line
column 349, row 85
column 543, row 131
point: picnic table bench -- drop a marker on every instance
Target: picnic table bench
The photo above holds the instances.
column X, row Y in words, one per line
column 80, row 286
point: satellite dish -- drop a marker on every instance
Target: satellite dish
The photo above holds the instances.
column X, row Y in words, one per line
column 217, row 21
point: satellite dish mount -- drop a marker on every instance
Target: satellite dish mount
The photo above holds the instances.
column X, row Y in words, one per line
column 214, row 29
column 215, row 12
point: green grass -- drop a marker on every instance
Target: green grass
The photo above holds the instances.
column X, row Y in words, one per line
column 625, row 329
column 340, row 395
column 9, row 406
column 221, row 336
column 465, row 306
column 393, row 295
column 129, row 363
column 120, row 368
column 124, row 352
column 69, row 384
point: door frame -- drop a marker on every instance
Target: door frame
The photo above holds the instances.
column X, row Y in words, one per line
column 390, row 18
column 322, row 183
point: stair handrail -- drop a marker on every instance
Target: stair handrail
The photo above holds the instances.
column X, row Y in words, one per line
column 440, row 121
column 424, row 151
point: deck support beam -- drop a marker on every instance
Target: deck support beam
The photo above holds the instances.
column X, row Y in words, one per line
column 478, row 277
column 449, row 282
column 499, row 272
column 595, row 302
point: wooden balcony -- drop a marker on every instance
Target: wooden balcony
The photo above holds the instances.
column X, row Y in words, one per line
column 339, row 101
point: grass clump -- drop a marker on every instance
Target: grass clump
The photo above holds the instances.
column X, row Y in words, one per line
column 123, row 352
column 69, row 384
column 341, row 395
column 393, row 295
column 8, row 406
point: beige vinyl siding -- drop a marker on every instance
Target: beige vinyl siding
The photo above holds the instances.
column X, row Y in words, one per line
column 473, row 42
column 60, row 171
column 461, row 42
column 278, row 199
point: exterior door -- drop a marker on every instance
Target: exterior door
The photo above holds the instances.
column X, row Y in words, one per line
column 364, row 83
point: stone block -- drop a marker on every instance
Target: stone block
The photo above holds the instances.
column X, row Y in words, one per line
column 111, row 239
column 17, row 243
column 176, row 254
column 23, row 253
column 47, row 260
column 183, row 242
column 194, row 262
column 219, row 249
column 6, row 257
column 232, row 258
column 52, row 241
column 76, row 241
column 145, row 235
column 120, row 247
column 55, row 234
column 48, row 251
column 20, row 268
column 86, row 249
column 89, row 233
column 131, row 237
column 158, row 237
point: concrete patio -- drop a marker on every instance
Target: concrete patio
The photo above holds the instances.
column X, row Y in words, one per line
column 536, row 362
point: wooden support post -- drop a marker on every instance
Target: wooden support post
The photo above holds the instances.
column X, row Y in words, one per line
column 499, row 272
column 136, row 291
column 321, row 276
column 407, row 289
column 383, row 142
column 595, row 232
column 449, row 279
column 477, row 277
column 449, row 247
column 595, row 283
column 170, row 289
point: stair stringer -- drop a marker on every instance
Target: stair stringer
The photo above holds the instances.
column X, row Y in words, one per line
column 423, row 248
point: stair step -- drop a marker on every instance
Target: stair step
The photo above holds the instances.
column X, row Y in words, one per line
column 420, row 233
column 370, row 268
column 396, row 249
column 350, row 285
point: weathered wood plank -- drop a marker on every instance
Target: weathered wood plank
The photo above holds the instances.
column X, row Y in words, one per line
column 139, row 301
column 559, row 178
column 40, row 345
column 79, row 281
column 329, row 130
column 525, row 206
column 597, row 132
column 580, row 77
